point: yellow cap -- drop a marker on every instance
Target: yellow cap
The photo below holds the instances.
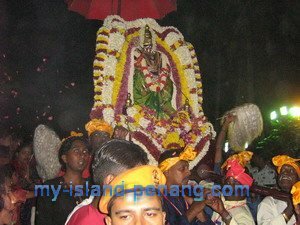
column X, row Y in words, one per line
column 98, row 125
column 136, row 177
column 281, row 160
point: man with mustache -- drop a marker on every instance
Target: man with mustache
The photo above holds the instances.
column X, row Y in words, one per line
column 175, row 166
column 274, row 211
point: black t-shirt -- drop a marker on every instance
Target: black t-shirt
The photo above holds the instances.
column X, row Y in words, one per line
column 49, row 212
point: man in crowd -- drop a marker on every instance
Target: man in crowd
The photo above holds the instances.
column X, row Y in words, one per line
column 233, row 209
column 99, row 132
column 113, row 158
column 139, row 202
column 274, row 211
column 175, row 165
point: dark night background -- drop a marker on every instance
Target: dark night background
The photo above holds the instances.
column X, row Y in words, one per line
column 248, row 51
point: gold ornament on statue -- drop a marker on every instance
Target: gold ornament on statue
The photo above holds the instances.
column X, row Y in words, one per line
column 147, row 36
column 186, row 106
column 128, row 100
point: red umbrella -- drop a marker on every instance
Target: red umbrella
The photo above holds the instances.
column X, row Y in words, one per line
column 127, row 9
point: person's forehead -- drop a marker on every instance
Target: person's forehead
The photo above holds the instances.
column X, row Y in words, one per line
column 181, row 163
column 287, row 167
column 78, row 143
column 134, row 201
column 99, row 133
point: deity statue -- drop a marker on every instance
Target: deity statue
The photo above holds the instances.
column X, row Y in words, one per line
column 148, row 85
column 152, row 85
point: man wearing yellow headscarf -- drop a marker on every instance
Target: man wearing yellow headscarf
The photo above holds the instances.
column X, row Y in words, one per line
column 99, row 132
column 133, row 198
column 175, row 165
column 274, row 211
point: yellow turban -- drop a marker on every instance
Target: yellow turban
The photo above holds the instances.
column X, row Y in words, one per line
column 98, row 125
column 141, row 176
column 281, row 160
column 188, row 154
column 243, row 158
column 296, row 193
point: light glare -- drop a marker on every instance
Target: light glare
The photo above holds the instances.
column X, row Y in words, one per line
column 284, row 111
column 295, row 111
column 273, row 115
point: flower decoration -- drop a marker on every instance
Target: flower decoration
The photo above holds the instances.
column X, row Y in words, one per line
column 114, row 65
column 73, row 134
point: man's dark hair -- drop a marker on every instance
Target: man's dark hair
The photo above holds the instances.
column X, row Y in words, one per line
column 169, row 154
column 115, row 156
column 66, row 146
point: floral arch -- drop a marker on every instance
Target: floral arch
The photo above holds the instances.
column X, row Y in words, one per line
column 115, row 62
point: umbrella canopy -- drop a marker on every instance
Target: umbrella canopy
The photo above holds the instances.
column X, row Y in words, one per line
column 127, row 9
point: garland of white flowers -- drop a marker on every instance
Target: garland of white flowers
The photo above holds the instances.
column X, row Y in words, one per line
column 112, row 43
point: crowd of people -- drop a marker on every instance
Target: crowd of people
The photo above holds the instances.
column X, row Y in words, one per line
column 105, row 158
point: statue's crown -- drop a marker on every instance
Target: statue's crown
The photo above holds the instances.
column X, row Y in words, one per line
column 147, row 36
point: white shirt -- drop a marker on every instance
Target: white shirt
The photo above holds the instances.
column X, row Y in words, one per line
column 239, row 211
column 269, row 212
column 264, row 177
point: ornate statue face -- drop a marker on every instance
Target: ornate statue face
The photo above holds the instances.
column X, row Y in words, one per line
column 148, row 48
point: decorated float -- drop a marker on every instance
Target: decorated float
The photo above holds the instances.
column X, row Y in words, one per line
column 147, row 80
